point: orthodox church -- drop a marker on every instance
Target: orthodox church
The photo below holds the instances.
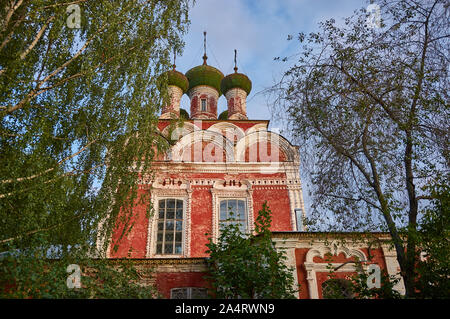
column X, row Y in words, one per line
column 228, row 162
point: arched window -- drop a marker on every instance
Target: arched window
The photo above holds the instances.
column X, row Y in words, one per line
column 188, row 293
column 169, row 240
column 235, row 209
column 337, row 288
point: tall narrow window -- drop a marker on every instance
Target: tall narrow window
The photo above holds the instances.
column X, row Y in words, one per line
column 299, row 219
column 203, row 101
column 235, row 209
column 170, row 227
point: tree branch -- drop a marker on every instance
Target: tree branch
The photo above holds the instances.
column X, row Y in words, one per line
column 11, row 11
column 36, row 39
column 4, row 241
column 21, row 179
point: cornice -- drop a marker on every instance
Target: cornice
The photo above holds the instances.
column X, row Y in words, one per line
column 160, row 261
column 330, row 235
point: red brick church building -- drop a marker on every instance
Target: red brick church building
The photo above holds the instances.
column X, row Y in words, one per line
column 223, row 162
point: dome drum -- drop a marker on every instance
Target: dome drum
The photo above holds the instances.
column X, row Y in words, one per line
column 204, row 91
column 204, row 85
column 177, row 85
column 236, row 87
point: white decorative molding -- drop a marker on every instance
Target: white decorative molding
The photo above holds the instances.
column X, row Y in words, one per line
column 291, row 262
column 231, row 131
column 187, row 142
column 294, row 204
column 164, row 189
column 262, row 136
column 334, row 248
column 178, row 132
column 256, row 182
column 226, row 167
column 223, row 189
column 256, row 127
column 393, row 267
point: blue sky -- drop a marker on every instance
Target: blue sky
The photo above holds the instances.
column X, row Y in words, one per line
column 258, row 29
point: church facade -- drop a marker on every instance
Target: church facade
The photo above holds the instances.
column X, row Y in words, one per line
column 229, row 163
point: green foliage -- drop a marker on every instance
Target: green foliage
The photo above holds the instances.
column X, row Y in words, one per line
column 369, row 108
column 356, row 286
column 78, row 106
column 433, row 271
column 337, row 288
column 248, row 265
column 204, row 75
column 236, row 80
column 178, row 79
column 386, row 290
column 35, row 276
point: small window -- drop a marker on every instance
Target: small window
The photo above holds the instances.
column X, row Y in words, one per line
column 299, row 219
column 337, row 288
column 169, row 239
column 203, row 101
column 188, row 293
column 235, row 209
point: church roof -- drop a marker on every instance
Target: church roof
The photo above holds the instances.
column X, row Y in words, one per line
column 236, row 80
column 205, row 75
column 178, row 79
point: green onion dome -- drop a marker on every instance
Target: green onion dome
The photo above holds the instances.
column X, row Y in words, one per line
column 178, row 79
column 223, row 115
column 204, row 75
column 236, row 80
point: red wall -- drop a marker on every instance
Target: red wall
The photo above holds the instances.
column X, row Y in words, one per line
column 201, row 220
column 133, row 243
column 278, row 202
column 300, row 258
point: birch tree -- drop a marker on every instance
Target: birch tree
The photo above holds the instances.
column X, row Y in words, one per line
column 368, row 102
column 80, row 92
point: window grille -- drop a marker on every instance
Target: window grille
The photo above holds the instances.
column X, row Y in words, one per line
column 169, row 239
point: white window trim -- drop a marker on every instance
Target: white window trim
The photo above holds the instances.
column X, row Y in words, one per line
column 155, row 227
column 245, row 199
column 334, row 248
column 220, row 192
column 171, row 191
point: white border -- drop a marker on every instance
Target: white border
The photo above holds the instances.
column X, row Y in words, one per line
column 172, row 190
